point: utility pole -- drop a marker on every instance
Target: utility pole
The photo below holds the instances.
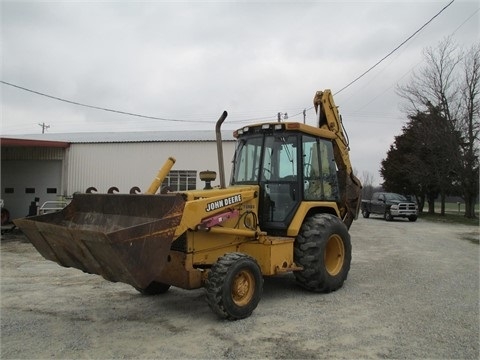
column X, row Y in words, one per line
column 280, row 115
column 44, row 127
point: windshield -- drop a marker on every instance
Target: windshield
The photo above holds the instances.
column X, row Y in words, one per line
column 279, row 161
column 395, row 197
column 247, row 160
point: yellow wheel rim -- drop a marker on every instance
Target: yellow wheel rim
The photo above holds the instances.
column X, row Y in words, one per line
column 243, row 288
column 334, row 255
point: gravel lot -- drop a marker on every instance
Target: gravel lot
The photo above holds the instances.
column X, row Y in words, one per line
column 412, row 292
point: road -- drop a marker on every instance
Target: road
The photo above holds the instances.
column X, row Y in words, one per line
column 412, row 292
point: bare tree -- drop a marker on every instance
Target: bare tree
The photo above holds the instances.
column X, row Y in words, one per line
column 439, row 85
column 470, row 128
column 367, row 180
column 436, row 83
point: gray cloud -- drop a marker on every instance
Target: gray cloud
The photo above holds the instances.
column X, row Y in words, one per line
column 192, row 60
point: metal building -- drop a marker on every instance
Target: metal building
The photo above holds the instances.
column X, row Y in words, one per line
column 50, row 167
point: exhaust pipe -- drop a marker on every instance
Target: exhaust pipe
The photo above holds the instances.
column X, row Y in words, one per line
column 221, row 167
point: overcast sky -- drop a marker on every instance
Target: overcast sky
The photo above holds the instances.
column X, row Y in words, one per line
column 188, row 61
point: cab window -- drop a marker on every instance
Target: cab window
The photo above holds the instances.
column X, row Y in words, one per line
column 319, row 170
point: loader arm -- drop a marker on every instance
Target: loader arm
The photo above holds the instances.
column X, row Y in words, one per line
column 205, row 210
column 329, row 118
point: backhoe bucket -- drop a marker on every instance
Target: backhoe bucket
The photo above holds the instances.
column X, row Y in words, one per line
column 123, row 238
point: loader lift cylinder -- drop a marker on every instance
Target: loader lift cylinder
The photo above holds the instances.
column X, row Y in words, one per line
column 162, row 174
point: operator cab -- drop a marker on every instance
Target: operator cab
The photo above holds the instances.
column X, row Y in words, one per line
column 289, row 165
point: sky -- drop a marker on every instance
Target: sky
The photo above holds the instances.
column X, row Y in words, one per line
column 184, row 62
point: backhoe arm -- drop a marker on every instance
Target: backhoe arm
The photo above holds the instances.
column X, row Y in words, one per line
column 329, row 118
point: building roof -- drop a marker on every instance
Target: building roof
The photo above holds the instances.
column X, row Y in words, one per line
column 119, row 137
column 32, row 143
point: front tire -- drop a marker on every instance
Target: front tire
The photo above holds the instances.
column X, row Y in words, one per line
column 388, row 215
column 234, row 286
column 365, row 214
column 324, row 250
column 412, row 218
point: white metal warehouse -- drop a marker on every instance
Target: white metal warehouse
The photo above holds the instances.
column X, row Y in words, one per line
column 54, row 166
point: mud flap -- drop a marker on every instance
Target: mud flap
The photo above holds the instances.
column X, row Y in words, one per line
column 121, row 237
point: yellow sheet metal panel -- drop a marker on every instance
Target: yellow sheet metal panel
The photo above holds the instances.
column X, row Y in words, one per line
column 304, row 208
column 209, row 257
column 202, row 205
column 273, row 257
column 200, row 242
column 179, row 271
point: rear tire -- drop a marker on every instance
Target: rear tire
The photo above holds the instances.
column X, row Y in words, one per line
column 234, row 286
column 365, row 214
column 324, row 250
column 155, row 288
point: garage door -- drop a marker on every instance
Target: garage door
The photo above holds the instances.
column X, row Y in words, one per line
column 25, row 180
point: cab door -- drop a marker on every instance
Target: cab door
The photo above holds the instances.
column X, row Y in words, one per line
column 320, row 180
column 378, row 203
column 279, row 181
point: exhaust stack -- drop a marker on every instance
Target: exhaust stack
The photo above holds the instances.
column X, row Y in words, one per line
column 221, row 167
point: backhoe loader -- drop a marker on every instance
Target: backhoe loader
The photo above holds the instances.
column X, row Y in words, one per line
column 291, row 199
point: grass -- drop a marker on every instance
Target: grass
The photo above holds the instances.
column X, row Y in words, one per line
column 454, row 208
column 453, row 214
column 449, row 218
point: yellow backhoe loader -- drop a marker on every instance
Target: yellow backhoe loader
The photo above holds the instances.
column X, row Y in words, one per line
column 291, row 200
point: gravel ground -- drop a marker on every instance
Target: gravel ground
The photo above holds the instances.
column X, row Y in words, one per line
column 412, row 292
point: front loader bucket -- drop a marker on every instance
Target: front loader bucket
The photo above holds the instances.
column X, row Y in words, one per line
column 121, row 237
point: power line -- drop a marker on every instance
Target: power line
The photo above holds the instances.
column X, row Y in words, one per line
column 463, row 23
column 394, row 50
column 124, row 112
column 92, row 106
column 240, row 120
column 418, row 63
